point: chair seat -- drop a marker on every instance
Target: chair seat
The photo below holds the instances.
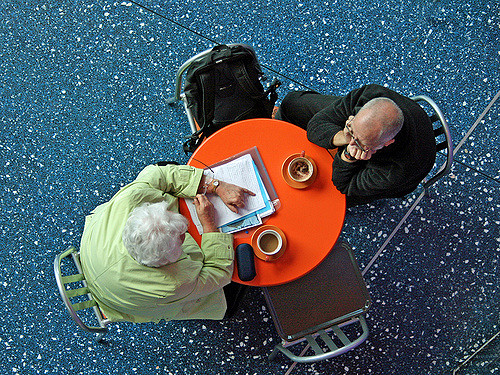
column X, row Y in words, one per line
column 328, row 298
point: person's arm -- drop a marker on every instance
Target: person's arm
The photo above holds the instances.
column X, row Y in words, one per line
column 325, row 128
column 206, row 213
column 210, row 266
column 184, row 181
column 216, row 249
column 233, row 196
column 178, row 180
column 364, row 178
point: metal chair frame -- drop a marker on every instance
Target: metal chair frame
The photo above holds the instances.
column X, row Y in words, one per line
column 325, row 335
column 342, row 284
column 178, row 85
column 447, row 144
column 68, row 293
column 470, row 357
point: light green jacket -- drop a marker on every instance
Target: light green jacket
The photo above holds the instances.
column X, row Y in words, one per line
column 190, row 288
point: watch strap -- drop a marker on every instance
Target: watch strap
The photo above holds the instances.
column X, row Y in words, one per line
column 347, row 155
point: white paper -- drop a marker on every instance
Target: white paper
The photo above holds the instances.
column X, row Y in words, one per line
column 240, row 172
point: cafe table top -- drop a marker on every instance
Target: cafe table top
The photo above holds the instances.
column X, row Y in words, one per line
column 311, row 218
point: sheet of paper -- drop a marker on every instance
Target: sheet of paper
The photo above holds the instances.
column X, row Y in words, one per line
column 254, row 218
column 241, row 172
column 244, row 223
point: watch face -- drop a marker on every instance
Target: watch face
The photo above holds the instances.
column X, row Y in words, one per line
column 216, row 182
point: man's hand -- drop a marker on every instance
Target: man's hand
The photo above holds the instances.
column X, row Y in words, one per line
column 206, row 213
column 358, row 154
column 352, row 147
column 340, row 139
column 233, row 196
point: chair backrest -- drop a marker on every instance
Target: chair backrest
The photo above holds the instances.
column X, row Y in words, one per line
column 441, row 130
column 331, row 296
column 74, row 287
column 178, row 85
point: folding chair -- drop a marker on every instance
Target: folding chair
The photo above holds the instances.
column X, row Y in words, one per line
column 74, row 286
column 326, row 308
column 441, row 130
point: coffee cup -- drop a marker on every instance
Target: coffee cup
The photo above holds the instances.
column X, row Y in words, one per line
column 300, row 169
column 269, row 243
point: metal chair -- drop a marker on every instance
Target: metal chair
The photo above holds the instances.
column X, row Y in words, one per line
column 74, row 286
column 178, row 86
column 473, row 355
column 326, row 308
column 441, row 130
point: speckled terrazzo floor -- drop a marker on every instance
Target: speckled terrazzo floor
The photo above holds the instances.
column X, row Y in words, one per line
column 83, row 110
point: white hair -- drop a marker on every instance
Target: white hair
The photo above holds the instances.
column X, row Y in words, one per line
column 152, row 234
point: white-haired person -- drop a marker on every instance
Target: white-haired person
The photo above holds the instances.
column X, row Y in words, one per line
column 386, row 141
column 140, row 263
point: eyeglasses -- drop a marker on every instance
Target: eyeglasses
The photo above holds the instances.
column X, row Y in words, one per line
column 358, row 143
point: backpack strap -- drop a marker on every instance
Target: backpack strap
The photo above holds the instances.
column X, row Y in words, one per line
column 240, row 73
column 207, row 89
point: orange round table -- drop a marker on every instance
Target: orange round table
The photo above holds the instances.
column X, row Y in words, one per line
column 310, row 218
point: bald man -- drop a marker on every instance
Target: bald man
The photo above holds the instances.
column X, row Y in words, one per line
column 385, row 141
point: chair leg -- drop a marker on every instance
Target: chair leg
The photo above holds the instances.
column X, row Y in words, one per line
column 463, row 364
column 377, row 254
column 99, row 337
column 320, row 354
column 274, row 353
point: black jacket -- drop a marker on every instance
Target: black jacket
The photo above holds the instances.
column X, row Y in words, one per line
column 393, row 171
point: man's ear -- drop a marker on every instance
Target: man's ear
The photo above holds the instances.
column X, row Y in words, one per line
column 389, row 142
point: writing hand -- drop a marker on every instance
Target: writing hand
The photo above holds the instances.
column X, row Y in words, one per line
column 206, row 213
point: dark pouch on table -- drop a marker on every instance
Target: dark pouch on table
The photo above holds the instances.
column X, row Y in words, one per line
column 245, row 262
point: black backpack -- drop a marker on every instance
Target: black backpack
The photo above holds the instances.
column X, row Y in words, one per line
column 223, row 87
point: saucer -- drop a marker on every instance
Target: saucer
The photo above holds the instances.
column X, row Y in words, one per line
column 260, row 254
column 290, row 181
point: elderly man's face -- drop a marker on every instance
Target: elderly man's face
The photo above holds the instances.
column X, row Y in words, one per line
column 364, row 135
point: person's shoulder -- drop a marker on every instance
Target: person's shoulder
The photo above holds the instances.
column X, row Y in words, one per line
column 372, row 91
column 378, row 90
column 375, row 86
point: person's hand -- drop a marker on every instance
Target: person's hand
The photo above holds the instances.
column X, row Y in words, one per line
column 233, row 196
column 206, row 213
column 340, row 139
column 357, row 153
column 352, row 147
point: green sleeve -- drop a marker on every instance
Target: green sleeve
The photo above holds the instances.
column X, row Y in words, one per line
column 178, row 180
column 218, row 260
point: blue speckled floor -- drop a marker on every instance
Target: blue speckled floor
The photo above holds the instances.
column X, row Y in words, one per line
column 83, row 88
